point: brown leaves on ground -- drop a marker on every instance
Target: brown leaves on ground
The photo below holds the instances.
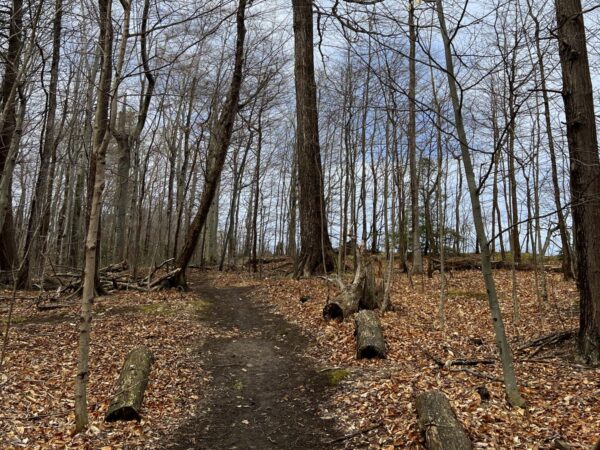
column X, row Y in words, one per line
column 37, row 380
column 562, row 396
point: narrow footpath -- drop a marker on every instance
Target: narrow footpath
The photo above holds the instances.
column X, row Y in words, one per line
column 263, row 393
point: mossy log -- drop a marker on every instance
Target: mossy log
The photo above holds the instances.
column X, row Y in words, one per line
column 438, row 423
column 127, row 401
column 369, row 337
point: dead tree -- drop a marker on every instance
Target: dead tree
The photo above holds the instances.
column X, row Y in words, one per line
column 365, row 292
column 348, row 300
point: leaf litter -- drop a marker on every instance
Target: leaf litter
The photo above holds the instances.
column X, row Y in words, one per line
column 378, row 397
column 373, row 402
column 38, row 378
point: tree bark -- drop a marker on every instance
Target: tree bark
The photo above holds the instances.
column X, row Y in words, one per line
column 417, row 266
column 347, row 302
column 8, row 122
column 316, row 254
column 39, row 221
column 584, row 169
column 100, row 143
column 369, row 337
column 127, row 402
column 439, row 424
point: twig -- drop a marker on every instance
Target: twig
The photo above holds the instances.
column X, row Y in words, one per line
column 356, row 433
column 550, row 339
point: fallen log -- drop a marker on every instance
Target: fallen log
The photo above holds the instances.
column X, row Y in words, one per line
column 164, row 281
column 369, row 337
column 116, row 267
column 127, row 401
column 461, row 263
column 51, row 307
column 344, row 304
column 439, row 424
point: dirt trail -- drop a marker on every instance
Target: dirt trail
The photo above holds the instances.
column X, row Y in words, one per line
column 263, row 394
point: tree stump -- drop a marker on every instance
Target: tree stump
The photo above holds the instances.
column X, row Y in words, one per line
column 127, row 401
column 372, row 295
column 369, row 337
column 439, row 424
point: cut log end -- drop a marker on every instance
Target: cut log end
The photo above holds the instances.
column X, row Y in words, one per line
column 369, row 337
column 124, row 413
column 439, row 424
column 369, row 352
column 333, row 311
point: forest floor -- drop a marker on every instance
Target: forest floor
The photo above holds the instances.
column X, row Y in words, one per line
column 241, row 362
column 375, row 399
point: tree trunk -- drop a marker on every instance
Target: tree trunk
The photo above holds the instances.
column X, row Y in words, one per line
column 347, row 302
column 8, row 122
column 316, row 253
column 510, row 381
column 100, row 143
column 35, row 242
column 256, row 180
column 293, row 206
column 417, row 266
column 585, row 170
column 562, row 225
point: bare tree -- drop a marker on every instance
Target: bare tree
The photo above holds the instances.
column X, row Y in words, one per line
column 100, row 143
column 585, row 169
column 510, row 380
column 217, row 149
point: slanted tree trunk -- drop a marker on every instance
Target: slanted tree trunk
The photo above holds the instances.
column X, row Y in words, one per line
column 438, row 423
column 100, row 143
column 127, row 402
column 584, row 168
column 316, row 253
column 369, row 337
column 217, row 150
column 510, row 380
